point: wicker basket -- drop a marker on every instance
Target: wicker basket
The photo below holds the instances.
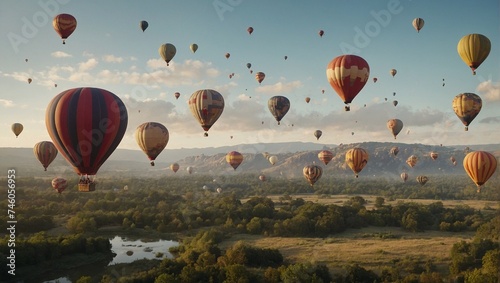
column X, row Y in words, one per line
column 86, row 187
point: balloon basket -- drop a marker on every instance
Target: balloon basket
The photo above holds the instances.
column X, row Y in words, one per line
column 86, row 187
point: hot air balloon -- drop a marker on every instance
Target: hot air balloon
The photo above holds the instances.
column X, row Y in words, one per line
column 227, row 55
column 412, row 160
column 177, row 95
column 322, row 91
column 308, row 99
column 26, row 60
column 375, row 80
column 250, row 30
column 325, row 156
column 395, row 103
column 206, row 105
column 467, row 106
column 17, row 128
column 422, row 180
column 260, row 76
column 393, row 94
column 312, row 173
column 418, row 24
column 480, row 166
column 321, row 32
column 64, row 25
column 453, row 160
column 286, row 57
column 262, row 178
column 394, row 150
column 234, row 159
column 273, row 159
column 45, row 152
column 433, row 155
column 86, row 125
column 189, row 169
column 193, row 47
column 356, row 158
column 174, row 167
column 474, row 49
column 219, row 190
column 167, row 52
column 143, row 25
column 152, row 138
column 249, row 65
column 59, row 184
column 55, row 85
column 404, row 176
column 279, row 106
column 29, row 80
column 347, row 74
column 318, row 134
column 395, row 126
column 393, row 72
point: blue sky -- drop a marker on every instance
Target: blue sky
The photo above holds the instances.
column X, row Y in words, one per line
column 108, row 50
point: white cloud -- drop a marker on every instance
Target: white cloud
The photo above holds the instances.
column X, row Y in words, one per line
column 60, row 54
column 280, row 87
column 489, row 90
column 7, row 103
column 112, row 59
column 87, row 65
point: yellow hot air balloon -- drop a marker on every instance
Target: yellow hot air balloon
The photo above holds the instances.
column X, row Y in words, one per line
column 206, row 105
column 422, row 180
column 393, row 72
column 167, row 52
column 467, row 106
column 474, row 49
column 418, row 24
column 312, row 173
column 480, row 166
column 17, row 128
column 356, row 158
column 412, row 160
column 273, row 159
column 152, row 138
column 174, row 167
column 325, row 156
column 234, row 159
column 45, row 152
column 395, row 126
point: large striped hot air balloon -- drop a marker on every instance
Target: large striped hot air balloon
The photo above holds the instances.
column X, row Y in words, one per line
column 356, row 158
column 86, row 125
column 206, row 105
column 467, row 106
column 152, row 138
column 312, row 173
column 395, row 126
column 325, row 156
column 474, row 49
column 45, row 152
column 480, row 166
column 234, row 159
column 347, row 74
column 64, row 25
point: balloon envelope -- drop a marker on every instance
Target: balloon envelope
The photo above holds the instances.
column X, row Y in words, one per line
column 45, row 152
column 234, row 159
column 152, row 138
column 167, row 52
column 312, row 173
column 395, row 126
column 418, row 24
column 325, row 156
column 480, row 166
column 17, row 128
column 143, row 25
column 206, row 105
column 356, row 158
column 174, row 167
column 260, row 76
column 474, row 49
column 59, row 184
column 193, row 47
column 467, row 106
column 404, row 176
column 318, row 134
column 279, row 106
column 64, row 25
column 422, row 180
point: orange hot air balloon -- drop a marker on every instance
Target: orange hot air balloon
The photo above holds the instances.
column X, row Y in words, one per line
column 312, row 173
column 356, row 158
column 59, row 184
column 325, row 156
column 404, row 176
column 395, row 126
column 174, row 167
column 45, row 152
column 394, row 150
column 422, row 180
column 152, row 138
column 412, row 160
column 234, row 159
column 474, row 49
column 433, row 155
column 206, row 105
column 260, row 76
column 347, row 74
column 308, row 99
column 480, row 166
column 250, row 30
column 467, row 106
column 64, row 25
column 86, row 125
column 321, row 32
column 177, row 95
